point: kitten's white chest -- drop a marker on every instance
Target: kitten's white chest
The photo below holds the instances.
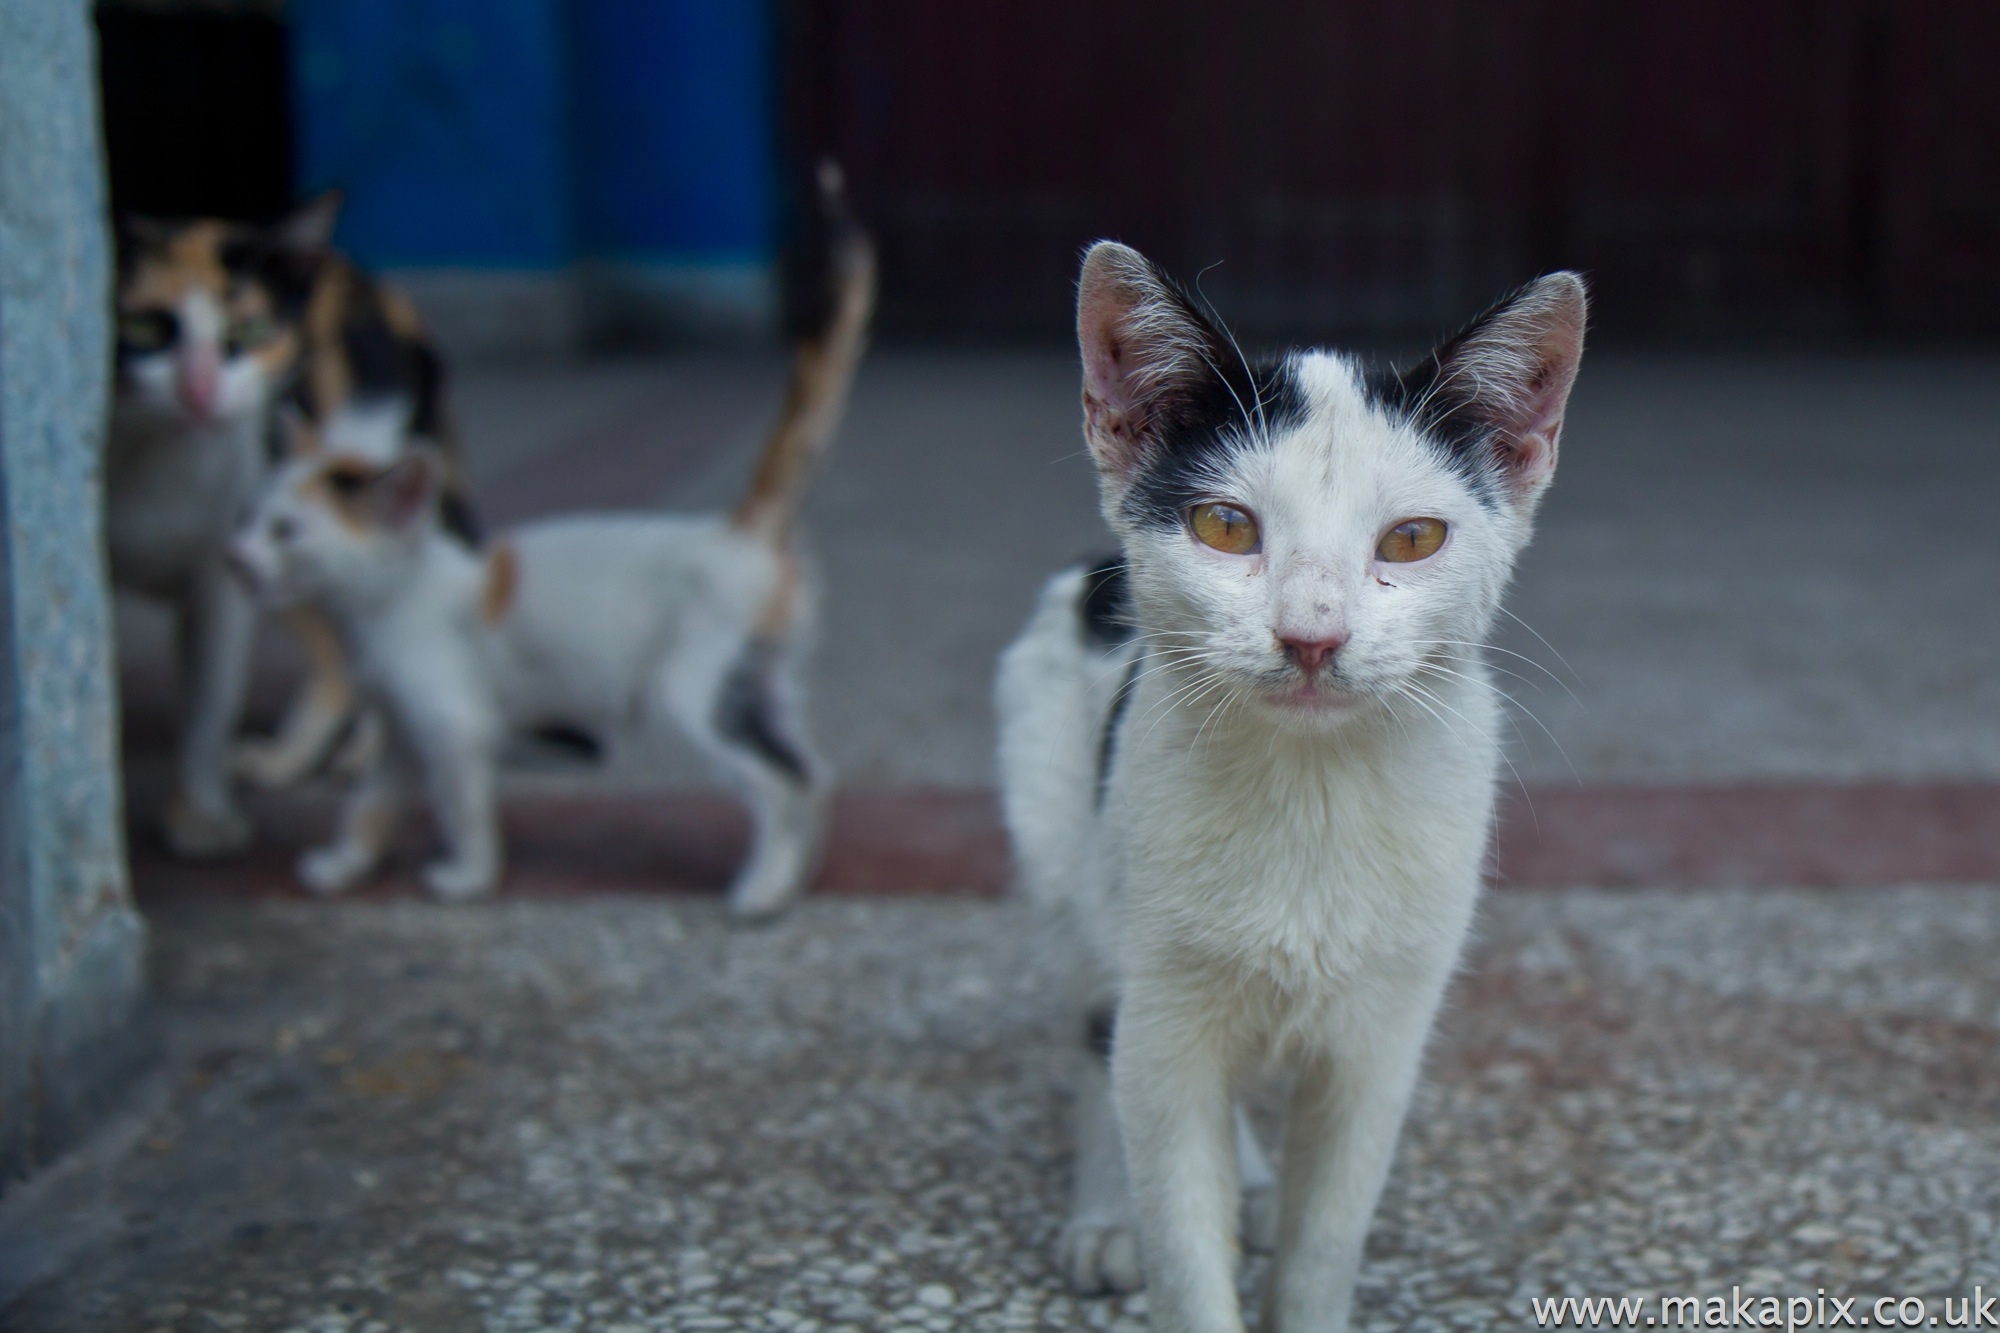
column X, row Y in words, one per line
column 1304, row 863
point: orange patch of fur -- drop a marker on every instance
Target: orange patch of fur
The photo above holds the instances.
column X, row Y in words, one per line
column 191, row 259
column 336, row 487
column 400, row 313
column 775, row 617
column 503, row 581
column 326, row 311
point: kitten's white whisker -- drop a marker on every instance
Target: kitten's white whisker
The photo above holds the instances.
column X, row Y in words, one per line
column 1420, row 694
column 1509, row 652
column 1517, row 706
column 1482, row 663
column 1260, row 431
column 1544, row 642
column 1227, row 700
column 1184, row 697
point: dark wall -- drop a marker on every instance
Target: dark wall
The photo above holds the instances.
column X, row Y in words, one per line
column 1793, row 167
column 197, row 112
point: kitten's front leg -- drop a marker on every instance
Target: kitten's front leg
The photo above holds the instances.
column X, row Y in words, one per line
column 1172, row 1082
column 1340, row 1136
column 458, row 756
column 218, row 627
column 367, row 820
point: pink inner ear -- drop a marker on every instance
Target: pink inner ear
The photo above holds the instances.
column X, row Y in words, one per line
column 402, row 492
column 1107, row 366
column 1531, row 437
column 1110, row 396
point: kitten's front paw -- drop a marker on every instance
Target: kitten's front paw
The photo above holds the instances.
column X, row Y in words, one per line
column 1100, row 1257
column 457, row 881
column 335, row 869
column 1260, row 1220
column 761, row 901
column 197, row 832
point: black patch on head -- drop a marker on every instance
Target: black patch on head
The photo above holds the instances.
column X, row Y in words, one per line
column 1229, row 407
column 1100, row 1029
column 1106, row 608
column 287, row 275
column 1448, row 413
column 1107, row 743
column 747, row 714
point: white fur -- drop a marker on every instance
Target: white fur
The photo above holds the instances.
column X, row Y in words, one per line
column 178, row 479
column 1284, row 865
column 618, row 623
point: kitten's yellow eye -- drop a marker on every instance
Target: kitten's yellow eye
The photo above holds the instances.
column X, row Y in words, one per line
column 1412, row 539
column 1224, row 527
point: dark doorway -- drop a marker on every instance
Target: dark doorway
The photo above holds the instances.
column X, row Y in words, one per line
column 1793, row 168
column 197, row 110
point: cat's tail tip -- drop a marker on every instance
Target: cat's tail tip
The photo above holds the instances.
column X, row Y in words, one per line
column 823, row 366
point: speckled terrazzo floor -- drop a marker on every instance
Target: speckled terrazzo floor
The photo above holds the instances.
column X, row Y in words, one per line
column 621, row 1113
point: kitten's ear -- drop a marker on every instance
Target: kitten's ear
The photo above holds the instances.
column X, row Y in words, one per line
column 1510, row 372
column 404, row 492
column 308, row 229
column 1144, row 346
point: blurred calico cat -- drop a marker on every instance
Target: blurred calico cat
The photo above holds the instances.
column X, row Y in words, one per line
column 217, row 322
column 590, row 624
column 1250, row 761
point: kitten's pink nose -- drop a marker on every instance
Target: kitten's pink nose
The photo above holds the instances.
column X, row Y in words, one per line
column 200, row 380
column 1312, row 654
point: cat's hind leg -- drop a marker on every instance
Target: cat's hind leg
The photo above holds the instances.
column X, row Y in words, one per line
column 313, row 721
column 218, row 625
column 745, row 716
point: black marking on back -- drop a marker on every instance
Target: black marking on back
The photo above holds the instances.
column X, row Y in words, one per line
column 1106, row 608
column 1100, row 1030
column 455, row 514
column 747, row 714
column 1107, row 743
column 571, row 740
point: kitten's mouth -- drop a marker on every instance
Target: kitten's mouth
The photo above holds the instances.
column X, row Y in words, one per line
column 1315, row 694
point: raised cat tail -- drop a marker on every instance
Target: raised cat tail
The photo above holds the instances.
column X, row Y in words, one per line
column 822, row 369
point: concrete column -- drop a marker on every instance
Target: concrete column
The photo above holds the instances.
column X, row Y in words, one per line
column 71, row 945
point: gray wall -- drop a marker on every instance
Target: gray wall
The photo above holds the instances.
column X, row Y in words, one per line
column 71, row 945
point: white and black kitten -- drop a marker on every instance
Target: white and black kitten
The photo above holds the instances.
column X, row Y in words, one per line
column 600, row 624
column 1253, row 760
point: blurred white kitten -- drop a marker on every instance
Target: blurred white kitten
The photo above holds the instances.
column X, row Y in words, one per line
column 590, row 623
